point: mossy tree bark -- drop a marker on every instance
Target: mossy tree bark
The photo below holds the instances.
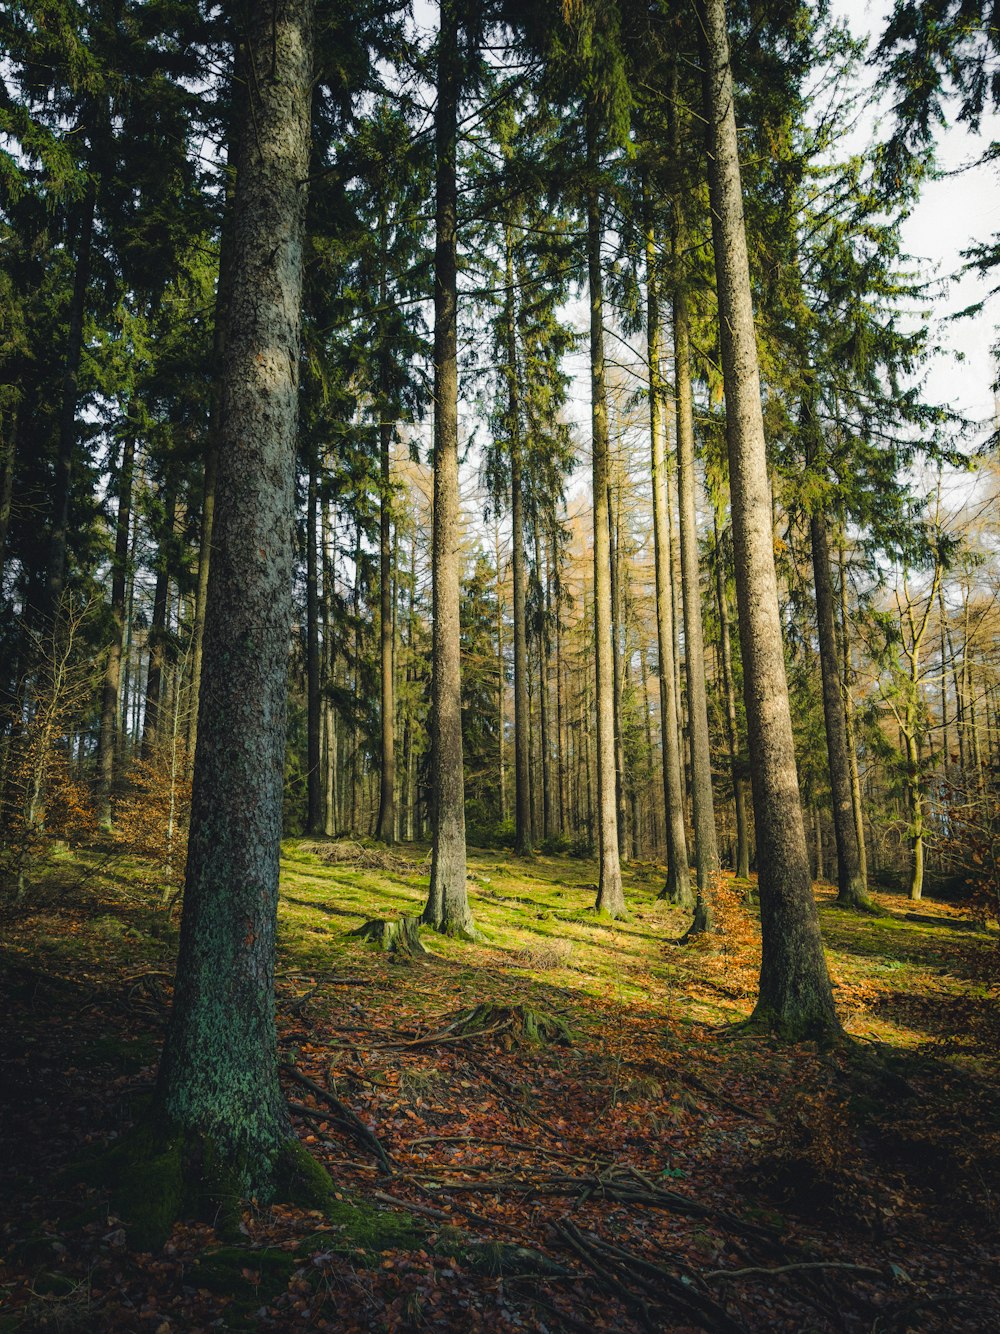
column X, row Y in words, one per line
column 795, row 998
column 218, row 1079
column 678, row 885
column 447, row 907
column 610, row 895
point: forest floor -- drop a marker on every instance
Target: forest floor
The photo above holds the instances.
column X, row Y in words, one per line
column 633, row 1166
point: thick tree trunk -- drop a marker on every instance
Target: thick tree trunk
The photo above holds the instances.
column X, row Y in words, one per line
column 610, row 895
column 742, row 864
column 795, row 997
column 218, row 1079
column 447, row 907
column 705, row 847
column 314, row 699
column 62, row 482
column 107, row 743
column 851, row 889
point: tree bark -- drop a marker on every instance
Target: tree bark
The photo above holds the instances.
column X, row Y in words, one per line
column 795, row 997
column 742, row 866
column 385, row 828
column 158, row 626
column 705, row 847
column 447, row 907
column 62, row 482
column 314, row 699
column 218, row 1078
column 107, row 744
column 522, row 774
column 851, row 889
column 610, row 895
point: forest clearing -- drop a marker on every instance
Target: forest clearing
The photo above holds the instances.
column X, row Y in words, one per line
column 570, row 1181
column 499, row 665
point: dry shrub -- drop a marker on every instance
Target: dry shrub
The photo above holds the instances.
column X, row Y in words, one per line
column 151, row 817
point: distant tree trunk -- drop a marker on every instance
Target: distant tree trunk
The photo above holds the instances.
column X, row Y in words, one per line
column 851, row 889
column 62, row 481
column 447, row 907
column 8, row 445
column 501, row 676
column 742, row 866
column 543, row 690
column 218, row 1079
column 621, row 809
column 848, row 699
column 314, row 699
column 329, row 665
column 705, row 847
column 223, row 292
column 678, row 884
column 610, row 895
column 107, row 744
column 795, row 998
column 157, row 638
column 522, row 774
column 385, row 829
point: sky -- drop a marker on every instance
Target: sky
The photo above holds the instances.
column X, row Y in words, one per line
column 953, row 213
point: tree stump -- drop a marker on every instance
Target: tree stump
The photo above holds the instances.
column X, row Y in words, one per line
column 400, row 935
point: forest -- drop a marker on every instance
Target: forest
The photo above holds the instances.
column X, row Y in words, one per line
column 499, row 667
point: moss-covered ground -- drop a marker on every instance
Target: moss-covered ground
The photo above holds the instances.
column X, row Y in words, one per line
column 532, row 1183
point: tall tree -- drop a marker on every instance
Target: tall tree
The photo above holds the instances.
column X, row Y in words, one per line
column 447, row 907
column 795, row 997
column 218, row 1080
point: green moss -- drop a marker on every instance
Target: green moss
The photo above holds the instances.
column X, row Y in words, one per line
column 301, row 1180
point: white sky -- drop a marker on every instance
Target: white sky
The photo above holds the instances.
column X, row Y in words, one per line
column 952, row 214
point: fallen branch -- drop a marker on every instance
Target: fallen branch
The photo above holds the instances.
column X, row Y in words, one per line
column 792, row 1268
column 356, row 1126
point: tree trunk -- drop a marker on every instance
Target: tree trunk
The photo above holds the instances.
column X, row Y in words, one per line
column 218, row 1079
column 9, row 446
column 544, row 743
column 385, row 829
column 851, row 889
column 223, row 293
column 447, row 907
column 58, row 538
column 107, row 744
column 522, row 775
column 610, row 895
column 621, row 806
column 314, row 699
column 157, row 637
column 742, row 866
column 795, row 998
column 678, row 884
column 705, row 848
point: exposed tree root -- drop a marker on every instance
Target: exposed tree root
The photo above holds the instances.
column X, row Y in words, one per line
column 357, row 1127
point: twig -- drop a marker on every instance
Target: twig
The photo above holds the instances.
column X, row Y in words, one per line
column 357, row 1127
column 790, row 1268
